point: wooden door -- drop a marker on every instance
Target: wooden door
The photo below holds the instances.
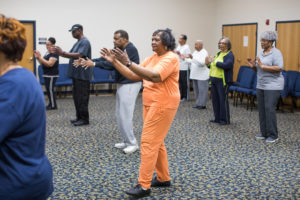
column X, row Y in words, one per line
column 28, row 60
column 243, row 39
column 289, row 44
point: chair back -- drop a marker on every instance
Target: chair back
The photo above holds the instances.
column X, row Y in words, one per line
column 247, row 78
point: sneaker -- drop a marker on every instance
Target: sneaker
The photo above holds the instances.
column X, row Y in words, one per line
column 120, row 145
column 271, row 140
column 138, row 191
column 130, row 149
column 260, row 137
column 183, row 100
column 157, row 183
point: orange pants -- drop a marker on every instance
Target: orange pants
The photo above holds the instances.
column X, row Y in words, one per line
column 157, row 122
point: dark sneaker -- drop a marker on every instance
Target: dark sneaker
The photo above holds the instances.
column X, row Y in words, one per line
column 80, row 123
column 260, row 137
column 138, row 192
column 74, row 120
column 271, row 140
column 214, row 121
column 157, row 183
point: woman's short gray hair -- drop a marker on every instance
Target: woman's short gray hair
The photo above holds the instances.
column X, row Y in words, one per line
column 269, row 35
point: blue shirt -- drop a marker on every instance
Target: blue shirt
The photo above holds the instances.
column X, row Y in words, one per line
column 83, row 47
column 25, row 171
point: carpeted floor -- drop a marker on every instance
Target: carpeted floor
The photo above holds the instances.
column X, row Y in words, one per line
column 206, row 161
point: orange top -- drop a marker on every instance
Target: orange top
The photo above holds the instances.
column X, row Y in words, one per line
column 166, row 93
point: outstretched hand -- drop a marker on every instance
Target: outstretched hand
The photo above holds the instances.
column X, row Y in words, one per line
column 122, row 56
column 251, row 62
column 77, row 63
column 36, row 54
column 107, row 55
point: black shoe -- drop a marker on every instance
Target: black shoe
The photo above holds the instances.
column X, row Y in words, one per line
column 51, row 108
column 138, row 192
column 74, row 120
column 157, row 183
column 196, row 107
column 223, row 123
column 80, row 123
column 214, row 121
column 202, row 107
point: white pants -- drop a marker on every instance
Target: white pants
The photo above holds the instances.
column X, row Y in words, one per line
column 201, row 92
column 125, row 104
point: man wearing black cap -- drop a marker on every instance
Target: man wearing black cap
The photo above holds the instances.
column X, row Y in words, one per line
column 81, row 77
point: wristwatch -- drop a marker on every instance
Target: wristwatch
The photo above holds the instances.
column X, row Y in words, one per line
column 129, row 63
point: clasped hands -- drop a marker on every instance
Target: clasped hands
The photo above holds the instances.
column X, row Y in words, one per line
column 111, row 55
column 252, row 63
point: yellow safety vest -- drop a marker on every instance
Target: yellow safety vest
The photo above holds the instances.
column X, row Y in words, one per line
column 216, row 71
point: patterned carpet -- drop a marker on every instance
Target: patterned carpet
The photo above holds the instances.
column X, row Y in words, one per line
column 206, row 161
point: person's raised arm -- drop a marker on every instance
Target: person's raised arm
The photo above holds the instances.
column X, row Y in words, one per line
column 272, row 69
column 147, row 74
column 125, row 71
column 65, row 54
column 42, row 61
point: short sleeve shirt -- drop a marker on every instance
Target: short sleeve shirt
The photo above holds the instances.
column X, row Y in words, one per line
column 51, row 71
column 268, row 80
column 166, row 93
column 83, row 47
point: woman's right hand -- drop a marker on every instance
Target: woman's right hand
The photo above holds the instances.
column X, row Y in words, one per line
column 251, row 62
column 36, row 54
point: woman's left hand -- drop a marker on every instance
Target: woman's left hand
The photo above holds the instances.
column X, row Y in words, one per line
column 259, row 64
column 108, row 55
column 122, row 56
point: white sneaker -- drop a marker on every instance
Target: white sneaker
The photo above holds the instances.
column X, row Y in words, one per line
column 130, row 149
column 120, row 145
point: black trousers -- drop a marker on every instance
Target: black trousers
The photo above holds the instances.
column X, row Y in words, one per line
column 267, row 101
column 183, row 84
column 219, row 94
column 81, row 94
column 49, row 84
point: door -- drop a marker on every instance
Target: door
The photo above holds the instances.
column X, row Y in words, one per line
column 243, row 39
column 28, row 60
column 289, row 44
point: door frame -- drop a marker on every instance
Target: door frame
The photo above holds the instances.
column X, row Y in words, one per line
column 282, row 22
column 34, row 40
column 253, row 23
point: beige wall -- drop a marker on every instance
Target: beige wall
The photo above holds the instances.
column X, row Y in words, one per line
column 101, row 18
column 255, row 11
column 198, row 19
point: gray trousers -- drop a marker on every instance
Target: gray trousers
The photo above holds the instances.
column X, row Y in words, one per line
column 201, row 92
column 267, row 101
column 125, row 104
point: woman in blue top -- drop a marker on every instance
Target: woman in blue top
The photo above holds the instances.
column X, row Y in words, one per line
column 270, row 82
column 25, row 171
column 221, row 70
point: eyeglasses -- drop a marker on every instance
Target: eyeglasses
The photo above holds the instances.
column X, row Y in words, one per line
column 222, row 43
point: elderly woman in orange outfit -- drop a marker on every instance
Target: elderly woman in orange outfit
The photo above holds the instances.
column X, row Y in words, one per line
column 161, row 97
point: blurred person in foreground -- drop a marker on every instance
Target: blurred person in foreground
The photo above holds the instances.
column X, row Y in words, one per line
column 161, row 98
column 270, row 81
column 25, row 171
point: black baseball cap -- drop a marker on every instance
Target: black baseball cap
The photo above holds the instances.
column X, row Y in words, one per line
column 75, row 27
